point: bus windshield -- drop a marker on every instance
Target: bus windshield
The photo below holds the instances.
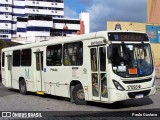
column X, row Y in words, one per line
column 132, row 60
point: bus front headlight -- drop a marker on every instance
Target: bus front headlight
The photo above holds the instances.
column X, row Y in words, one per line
column 118, row 85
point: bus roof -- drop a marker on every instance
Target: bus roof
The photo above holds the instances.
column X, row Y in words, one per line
column 101, row 34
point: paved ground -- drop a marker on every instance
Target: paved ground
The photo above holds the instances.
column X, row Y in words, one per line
column 11, row 100
column 5, row 91
column 158, row 83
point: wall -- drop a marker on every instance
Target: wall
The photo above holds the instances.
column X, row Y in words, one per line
column 153, row 11
column 156, row 55
column 85, row 17
column 127, row 26
column 153, row 32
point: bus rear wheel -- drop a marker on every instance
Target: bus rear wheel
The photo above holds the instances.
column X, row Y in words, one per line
column 78, row 95
column 22, row 87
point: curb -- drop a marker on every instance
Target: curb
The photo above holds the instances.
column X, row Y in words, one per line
column 158, row 86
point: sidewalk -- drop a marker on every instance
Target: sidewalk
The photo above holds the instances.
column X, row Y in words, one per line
column 158, row 83
column 1, row 85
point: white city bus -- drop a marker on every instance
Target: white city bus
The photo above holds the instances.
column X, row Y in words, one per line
column 106, row 67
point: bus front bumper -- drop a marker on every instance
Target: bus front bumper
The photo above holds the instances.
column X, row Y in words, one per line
column 117, row 95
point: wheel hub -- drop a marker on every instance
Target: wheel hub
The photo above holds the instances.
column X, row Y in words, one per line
column 80, row 94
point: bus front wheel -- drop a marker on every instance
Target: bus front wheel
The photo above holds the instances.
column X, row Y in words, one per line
column 78, row 95
column 22, row 87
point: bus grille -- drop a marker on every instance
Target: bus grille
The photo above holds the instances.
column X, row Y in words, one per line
column 137, row 81
column 133, row 94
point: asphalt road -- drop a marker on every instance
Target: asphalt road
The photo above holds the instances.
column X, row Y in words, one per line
column 12, row 100
column 5, row 91
column 9, row 95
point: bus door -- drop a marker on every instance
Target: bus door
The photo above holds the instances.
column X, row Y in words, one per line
column 9, row 70
column 98, row 73
column 39, row 70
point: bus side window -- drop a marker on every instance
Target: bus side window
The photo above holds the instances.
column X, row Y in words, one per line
column 26, row 57
column 16, row 58
column 3, row 59
column 73, row 54
column 54, row 55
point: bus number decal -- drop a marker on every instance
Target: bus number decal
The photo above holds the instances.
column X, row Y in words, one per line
column 134, row 87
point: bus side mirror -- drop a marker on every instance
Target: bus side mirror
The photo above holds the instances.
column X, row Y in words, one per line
column 109, row 52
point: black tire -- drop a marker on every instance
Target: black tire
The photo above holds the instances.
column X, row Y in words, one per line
column 78, row 95
column 23, row 87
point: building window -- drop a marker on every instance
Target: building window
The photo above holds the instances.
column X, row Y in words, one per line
column 26, row 57
column 16, row 58
column 3, row 59
column 57, row 33
column 73, row 54
column 3, row 36
column 54, row 55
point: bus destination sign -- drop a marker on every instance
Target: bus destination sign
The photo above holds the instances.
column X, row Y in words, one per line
column 120, row 36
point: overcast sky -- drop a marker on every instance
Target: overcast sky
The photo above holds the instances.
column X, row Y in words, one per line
column 107, row 10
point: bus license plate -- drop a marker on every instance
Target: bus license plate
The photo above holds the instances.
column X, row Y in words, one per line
column 134, row 87
column 139, row 96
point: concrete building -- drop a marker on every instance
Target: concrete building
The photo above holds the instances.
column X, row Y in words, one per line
column 153, row 11
column 85, row 17
column 31, row 18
